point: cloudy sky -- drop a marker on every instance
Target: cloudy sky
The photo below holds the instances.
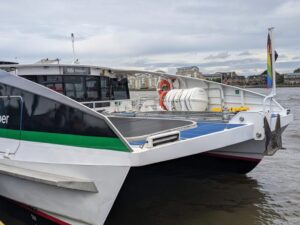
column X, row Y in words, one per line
column 216, row 35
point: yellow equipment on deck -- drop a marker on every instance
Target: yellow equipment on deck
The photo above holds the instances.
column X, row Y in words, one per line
column 231, row 109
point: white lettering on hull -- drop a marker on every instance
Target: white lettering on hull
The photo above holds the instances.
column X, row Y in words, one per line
column 4, row 119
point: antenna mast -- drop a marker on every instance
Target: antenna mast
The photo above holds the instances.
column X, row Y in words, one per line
column 73, row 47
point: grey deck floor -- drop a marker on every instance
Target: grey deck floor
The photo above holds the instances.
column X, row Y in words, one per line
column 136, row 128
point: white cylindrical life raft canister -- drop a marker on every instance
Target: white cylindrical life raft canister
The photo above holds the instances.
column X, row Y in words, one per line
column 194, row 99
column 169, row 100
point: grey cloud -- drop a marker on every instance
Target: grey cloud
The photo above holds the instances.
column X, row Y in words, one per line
column 221, row 55
column 237, row 63
column 282, row 56
column 245, row 53
column 117, row 33
column 248, row 66
column 288, row 65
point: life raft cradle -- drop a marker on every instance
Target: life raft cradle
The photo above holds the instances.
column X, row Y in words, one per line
column 164, row 86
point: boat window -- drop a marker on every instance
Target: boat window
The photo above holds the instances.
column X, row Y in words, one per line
column 105, row 88
column 53, row 82
column 102, row 104
column 41, row 114
column 85, row 88
column 120, row 88
column 31, row 78
column 74, row 87
column 92, row 88
column 75, row 70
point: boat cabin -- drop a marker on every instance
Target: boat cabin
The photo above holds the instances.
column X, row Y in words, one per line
column 81, row 83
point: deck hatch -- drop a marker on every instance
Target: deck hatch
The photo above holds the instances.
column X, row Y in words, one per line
column 160, row 139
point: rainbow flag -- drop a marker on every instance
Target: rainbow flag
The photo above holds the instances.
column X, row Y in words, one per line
column 269, row 62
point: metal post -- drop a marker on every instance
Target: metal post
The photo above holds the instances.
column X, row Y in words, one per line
column 273, row 92
column 273, row 61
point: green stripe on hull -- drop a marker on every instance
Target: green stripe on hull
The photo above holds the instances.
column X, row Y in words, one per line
column 66, row 139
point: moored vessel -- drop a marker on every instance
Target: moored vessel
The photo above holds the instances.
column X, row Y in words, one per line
column 71, row 134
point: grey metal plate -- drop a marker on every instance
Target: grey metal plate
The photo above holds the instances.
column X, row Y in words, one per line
column 138, row 128
column 49, row 179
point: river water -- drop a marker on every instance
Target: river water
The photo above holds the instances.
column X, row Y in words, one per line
column 269, row 195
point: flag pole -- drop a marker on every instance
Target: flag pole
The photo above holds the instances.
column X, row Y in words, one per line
column 273, row 61
column 272, row 68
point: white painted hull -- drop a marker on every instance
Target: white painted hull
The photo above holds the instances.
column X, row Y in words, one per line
column 82, row 207
column 248, row 150
column 108, row 170
column 77, row 207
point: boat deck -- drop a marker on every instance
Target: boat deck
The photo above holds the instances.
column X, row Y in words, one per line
column 202, row 128
column 196, row 116
column 137, row 128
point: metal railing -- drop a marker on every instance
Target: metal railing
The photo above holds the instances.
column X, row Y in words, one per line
column 126, row 104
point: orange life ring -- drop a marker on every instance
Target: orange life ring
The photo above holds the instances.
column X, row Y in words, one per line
column 163, row 85
column 161, row 99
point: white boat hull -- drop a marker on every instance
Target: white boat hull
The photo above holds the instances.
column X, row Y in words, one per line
column 70, row 161
column 80, row 207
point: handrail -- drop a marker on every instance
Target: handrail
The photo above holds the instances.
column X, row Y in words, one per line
column 220, row 89
column 135, row 102
column 104, row 101
column 265, row 100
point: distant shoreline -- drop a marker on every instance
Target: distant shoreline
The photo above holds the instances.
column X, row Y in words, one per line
column 246, row 86
column 264, row 86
